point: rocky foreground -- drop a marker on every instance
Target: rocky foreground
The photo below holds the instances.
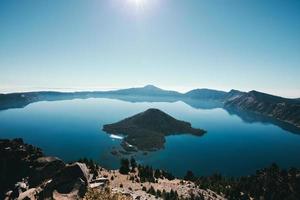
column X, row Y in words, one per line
column 26, row 173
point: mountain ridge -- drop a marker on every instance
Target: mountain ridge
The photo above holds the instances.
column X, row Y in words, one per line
column 280, row 108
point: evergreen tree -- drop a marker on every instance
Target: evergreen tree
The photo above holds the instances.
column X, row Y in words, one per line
column 133, row 164
column 157, row 173
column 124, row 168
column 189, row 176
column 152, row 191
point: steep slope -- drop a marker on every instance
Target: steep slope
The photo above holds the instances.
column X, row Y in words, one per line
column 232, row 94
column 27, row 174
column 283, row 109
column 146, row 130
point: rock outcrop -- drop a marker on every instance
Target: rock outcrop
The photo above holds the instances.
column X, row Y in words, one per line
column 45, row 168
column 70, row 182
column 15, row 156
column 25, row 173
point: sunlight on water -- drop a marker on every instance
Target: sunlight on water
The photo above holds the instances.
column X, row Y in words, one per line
column 116, row 137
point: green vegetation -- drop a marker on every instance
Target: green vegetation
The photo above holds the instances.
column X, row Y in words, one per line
column 124, row 168
column 172, row 195
column 167, row 175
column 147, row 130
column 157, row 174
column 189, row 176
column 145, row 173
column 93, row 167
column 104, row 194
column 152, row 191
column 133, row 164
column 127, row 166
column 269, row 184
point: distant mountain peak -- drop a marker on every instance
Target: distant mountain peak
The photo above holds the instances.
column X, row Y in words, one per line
column 153, row 110
column 235, row 91
column 151, row 87
column 255, row 92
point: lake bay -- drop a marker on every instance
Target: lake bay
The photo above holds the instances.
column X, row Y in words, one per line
column 72, row 129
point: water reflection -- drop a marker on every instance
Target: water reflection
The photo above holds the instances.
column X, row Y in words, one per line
column 248, row 117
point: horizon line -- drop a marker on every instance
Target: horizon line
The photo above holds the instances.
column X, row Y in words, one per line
column 25, row 89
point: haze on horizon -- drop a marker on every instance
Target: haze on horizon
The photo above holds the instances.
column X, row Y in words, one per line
column 173, row 44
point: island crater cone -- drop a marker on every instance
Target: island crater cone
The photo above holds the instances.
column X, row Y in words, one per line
column 147, row 130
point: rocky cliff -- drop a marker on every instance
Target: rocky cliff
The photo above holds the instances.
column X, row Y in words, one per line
column 25, row 173
column 282, row 109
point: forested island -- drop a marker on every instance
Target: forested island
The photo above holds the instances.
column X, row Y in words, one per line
column 147, row 130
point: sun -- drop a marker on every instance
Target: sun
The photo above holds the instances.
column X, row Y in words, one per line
column 138, row 3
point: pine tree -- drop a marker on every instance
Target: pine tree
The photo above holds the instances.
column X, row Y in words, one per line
column 133, row 164
column 124, row 168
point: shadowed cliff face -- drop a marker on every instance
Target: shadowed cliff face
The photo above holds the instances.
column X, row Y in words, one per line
column 23, row 166
column 15, row 156
column 282, row 109
column 147, row 130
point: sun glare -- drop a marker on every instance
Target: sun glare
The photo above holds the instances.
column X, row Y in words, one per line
column 138, row 3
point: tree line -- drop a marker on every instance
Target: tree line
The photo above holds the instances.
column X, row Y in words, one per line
column 271, row 183
column 145, row 173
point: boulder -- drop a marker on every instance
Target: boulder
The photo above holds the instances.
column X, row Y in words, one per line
column 28, row 194
column 71, row 182
column 16, row 159
column 44, row 168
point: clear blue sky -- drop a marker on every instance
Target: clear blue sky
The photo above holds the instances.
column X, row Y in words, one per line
column 176, row 44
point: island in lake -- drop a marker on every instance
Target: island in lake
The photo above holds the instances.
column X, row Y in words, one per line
column 284, row 112
column 147, row 130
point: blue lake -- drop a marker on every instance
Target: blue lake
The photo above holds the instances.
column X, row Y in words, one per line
column 72, row 129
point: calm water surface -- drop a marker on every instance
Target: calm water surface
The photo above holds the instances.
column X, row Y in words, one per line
column 72, row 129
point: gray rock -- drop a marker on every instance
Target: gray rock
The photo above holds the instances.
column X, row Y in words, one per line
column 28, row 194
column 72, row 180
column 45, row 168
